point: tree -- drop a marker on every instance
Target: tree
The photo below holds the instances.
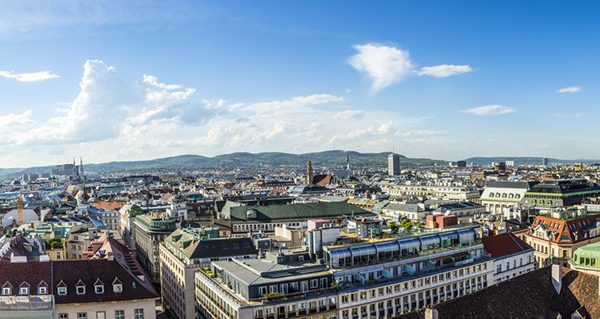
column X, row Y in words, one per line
column 406, row 224
column 394, row 227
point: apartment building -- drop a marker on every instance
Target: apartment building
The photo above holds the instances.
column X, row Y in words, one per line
column 558, row 234
column 185, row 251
column 149, row 231
column 357, row 278
column 448, row 191
column 512, row 256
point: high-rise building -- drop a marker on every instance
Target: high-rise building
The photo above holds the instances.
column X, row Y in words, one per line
column 545, row 161
column 393, row 164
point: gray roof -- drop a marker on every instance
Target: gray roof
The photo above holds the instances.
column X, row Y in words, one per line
column 261, row 271
column 302, row 211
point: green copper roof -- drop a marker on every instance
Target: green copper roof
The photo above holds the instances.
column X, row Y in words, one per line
column 587, row 256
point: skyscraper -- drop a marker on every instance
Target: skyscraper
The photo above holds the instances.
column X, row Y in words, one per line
column 393, row 164
column 545, row 161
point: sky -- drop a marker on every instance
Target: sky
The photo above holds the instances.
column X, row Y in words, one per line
column 129, row 80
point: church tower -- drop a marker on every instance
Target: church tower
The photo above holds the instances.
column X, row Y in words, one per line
column 309, row 173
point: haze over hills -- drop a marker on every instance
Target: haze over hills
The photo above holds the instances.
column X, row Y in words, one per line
column 331, row 159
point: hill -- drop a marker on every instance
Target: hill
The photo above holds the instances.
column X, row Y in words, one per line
column 331, row 159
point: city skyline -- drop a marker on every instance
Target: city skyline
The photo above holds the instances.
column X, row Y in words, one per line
column 437, row 80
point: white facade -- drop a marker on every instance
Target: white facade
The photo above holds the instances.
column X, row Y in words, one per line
column 507, row 267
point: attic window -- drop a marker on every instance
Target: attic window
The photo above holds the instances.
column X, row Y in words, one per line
column 117, row 287
column 6, row 291
column 99, row 289
column 62, row 291
column 24, row 289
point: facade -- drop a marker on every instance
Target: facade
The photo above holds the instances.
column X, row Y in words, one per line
column 446, row 191
column 464, row 211
column 560, row 193
column 245, row 219
column 587, row 259
column 512, row 256
column 558, row 235
column 182, row 253
column 149, row 231
column 501, row 195
column 393, row 164
column 375, row 278
column 127, row 216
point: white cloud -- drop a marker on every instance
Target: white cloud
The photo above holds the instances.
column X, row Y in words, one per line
column 384, row 65
column 29, row 77
column 444, row 70
column 569, row 89
column 8, row 120
column 111, row 119
column 487, row 110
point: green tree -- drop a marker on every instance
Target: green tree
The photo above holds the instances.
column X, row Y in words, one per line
column 406, row 224
column 394, row 227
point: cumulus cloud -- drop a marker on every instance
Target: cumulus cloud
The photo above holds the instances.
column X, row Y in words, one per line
column 569, row 89
column 386, row 65
column 29, row 77
column 488, row 110
column 445, row 70
column 112, row 119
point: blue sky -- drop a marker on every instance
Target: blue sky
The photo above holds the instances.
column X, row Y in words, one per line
column 126, row 80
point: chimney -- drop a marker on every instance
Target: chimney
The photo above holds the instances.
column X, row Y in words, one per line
column 557, row 276
column 431, row 313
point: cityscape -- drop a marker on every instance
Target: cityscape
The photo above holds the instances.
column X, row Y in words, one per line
column 319, row 171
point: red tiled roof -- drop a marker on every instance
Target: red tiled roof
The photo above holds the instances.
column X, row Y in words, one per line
column 109, row 205
column 504, row 244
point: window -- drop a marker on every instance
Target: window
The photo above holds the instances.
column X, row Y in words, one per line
column 24, row 290
column 138, row 313
column 80, row 290
column 42, row 290
column 100, row 315
column 6, row 291
column 117, row 287
column 62, row 291
column 82, row 315
column 262, row 290
column 63, row 316
column 99, row 289
column 120, row 314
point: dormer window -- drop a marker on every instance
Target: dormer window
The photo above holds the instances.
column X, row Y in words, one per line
column 42, row 288
column 80, row 288
column 24, row 289
column 62, row 291
column 99, row 287
column 7, row 289
column 117, row 285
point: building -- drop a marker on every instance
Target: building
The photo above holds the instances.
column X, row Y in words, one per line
column 545, row 161
column 278, row 286
column 127, row 215
column 442, row 191
column 182, row 253
column 558, row 235
column 501, row 195
column 26, row 290
column 464, row 211
column 149, row 231
column 512, row 256
column 244, row 219
column 550, row 292
column 587, row 259
column 393, row 164
column 560, row 193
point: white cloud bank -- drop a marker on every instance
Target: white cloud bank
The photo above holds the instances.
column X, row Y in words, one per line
column 488, row 110
column 111, row 119
column 386, row 65
column 569, row 89
column 29, row 77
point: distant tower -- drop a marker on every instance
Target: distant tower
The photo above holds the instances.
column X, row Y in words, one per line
column 393, row 164
column 347, row 161
column 309, row 172
column 545, row 161
column 81, row 167
column 74, row 174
